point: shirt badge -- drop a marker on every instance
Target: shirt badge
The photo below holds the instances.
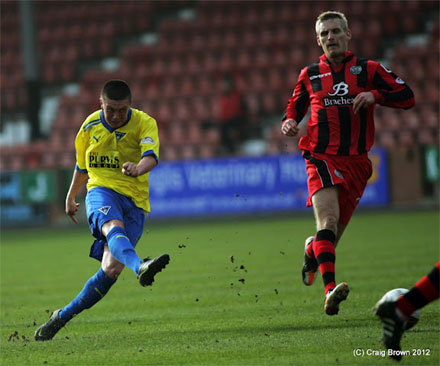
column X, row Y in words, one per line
column 148, row 140
column 338, row 174
column 119, row 135
column 356, row 70
column 105, row 209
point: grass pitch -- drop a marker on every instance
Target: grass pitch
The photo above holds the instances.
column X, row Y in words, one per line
column 231, row 295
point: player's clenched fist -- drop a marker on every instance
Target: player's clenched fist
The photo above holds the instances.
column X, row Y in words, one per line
column 363, row 100
column 130, row 169
column 290, row 127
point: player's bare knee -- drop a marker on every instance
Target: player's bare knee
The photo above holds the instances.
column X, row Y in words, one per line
column 330, row 222
column 110, row 265
column 106, row 227
column 112, row 269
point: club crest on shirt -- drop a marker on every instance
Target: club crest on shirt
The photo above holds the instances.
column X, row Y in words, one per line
column 148, row 140
column 338, row 174
column 119, row 135
column 356, row 70
column 105, row 209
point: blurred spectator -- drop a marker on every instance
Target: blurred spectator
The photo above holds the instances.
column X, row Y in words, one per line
column 231, row 115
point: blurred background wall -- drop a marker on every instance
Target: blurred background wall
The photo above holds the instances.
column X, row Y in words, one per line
column 179, row 58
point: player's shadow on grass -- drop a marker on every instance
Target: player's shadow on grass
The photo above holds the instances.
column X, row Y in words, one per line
column 230, row 327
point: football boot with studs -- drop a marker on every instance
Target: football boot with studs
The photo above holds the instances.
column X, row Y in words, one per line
column 150, row 267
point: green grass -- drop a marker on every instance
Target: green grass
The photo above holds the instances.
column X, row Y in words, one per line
column 199, row 313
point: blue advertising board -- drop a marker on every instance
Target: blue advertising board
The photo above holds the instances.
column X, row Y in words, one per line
column 244, row 185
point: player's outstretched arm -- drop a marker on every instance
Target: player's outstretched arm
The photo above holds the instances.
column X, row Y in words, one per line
column 146, row 164
column 290, row 127
column 71, row 205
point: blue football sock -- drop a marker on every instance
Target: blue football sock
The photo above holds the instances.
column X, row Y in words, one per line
column 94, row 290
column 122, row 249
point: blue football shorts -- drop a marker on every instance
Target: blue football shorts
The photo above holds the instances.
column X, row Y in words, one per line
column 103, row 205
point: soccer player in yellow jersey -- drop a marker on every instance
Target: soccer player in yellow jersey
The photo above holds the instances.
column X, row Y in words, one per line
column 116, row 148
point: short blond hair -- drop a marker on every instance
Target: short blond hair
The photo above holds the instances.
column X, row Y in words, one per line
column 332, row 15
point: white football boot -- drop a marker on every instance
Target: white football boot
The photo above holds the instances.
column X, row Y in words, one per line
column 335, row 297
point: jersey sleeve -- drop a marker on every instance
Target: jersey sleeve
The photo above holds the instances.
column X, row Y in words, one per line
column 299, row 102
column 389, row 89
column 149, row 139
column 80, row 147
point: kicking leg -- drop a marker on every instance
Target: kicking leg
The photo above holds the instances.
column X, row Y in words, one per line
column 120, row 246
column 123, row 253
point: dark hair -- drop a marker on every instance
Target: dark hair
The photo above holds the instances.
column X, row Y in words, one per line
column 116, row 90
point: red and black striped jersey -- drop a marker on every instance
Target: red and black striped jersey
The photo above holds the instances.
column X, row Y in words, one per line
column 333, row 128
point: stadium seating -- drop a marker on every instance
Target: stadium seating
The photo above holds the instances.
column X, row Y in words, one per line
column 261, row 44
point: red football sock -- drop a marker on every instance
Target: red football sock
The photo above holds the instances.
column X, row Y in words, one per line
column 424, row 292
column 324, row 250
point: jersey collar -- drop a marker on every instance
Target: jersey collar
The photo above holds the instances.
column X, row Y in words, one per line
column 108, row 127
column 348, row 55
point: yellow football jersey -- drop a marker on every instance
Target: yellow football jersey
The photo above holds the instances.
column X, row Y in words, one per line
column 101, row 151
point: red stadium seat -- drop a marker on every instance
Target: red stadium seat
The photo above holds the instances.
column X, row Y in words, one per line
column 428, row 136
column 177, row 79
column 164, row 113
column 226, row 62
column 429, row 116
column 257, row 82
column 194, row 134
column 276, row 81
column 182, row 111
column 386, row 139
column 176, row 134
column 169, row 153
column 212, row 137
column 243, row 59
column 262, row 58
column 410, row 119
column 231, row 40
column 188, row 152
column 207, row 151
column 193, row 64
column 390, row 120
column 406, row 138
column 200, row 109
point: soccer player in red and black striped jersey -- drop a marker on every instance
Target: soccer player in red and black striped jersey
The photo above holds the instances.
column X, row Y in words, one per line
column 342, row 90
column 395, row 314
